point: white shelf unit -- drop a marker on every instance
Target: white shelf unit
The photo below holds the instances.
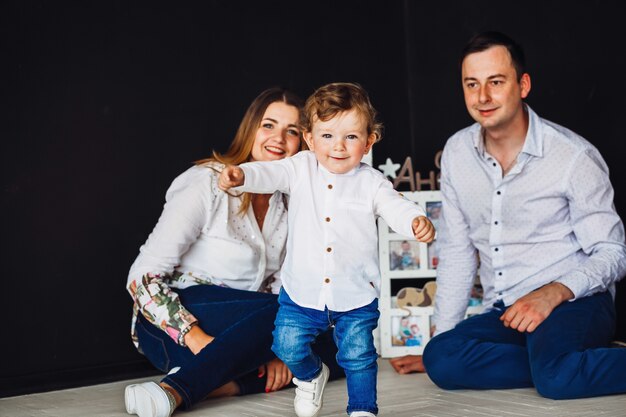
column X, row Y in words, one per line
column 402, row 333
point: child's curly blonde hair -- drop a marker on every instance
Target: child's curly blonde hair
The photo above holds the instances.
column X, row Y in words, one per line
column 327, row 101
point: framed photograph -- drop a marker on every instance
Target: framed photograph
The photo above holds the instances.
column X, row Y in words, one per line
column 404, row 255
column 433, row 255
column 433, row 212
column 404, row 333
column 411, row 331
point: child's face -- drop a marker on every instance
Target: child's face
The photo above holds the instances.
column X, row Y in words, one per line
column 340, row 143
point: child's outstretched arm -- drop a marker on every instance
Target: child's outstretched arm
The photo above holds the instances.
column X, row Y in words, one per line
column 231, row 176
column 423, row 229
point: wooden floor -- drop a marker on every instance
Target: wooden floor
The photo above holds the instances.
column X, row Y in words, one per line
column 398, row 396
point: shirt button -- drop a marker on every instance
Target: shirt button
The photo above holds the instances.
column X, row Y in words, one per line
column 500, row 273
column 329, row 249
column 327, row 219
column 330, row 186
column 498, row 192
column 327, row 280
column 496, row 222
column 494, row 164
column 496, row 249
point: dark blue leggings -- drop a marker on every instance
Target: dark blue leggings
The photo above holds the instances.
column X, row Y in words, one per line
column 242, row 323
column 565, row 357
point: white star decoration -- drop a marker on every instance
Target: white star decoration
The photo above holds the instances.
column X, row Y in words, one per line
column 389, row 169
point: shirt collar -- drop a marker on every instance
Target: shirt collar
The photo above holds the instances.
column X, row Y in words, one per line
column 327, row 172
column 533, row 144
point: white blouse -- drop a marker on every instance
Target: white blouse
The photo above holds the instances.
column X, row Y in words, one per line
column 201, row 238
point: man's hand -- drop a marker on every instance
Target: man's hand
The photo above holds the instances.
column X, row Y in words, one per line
column 278, row 375
column 527, row 313
column 408, row 364
column 423, row 229
column 231, row 176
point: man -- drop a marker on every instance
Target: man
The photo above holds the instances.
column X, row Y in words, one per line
column 535, row 201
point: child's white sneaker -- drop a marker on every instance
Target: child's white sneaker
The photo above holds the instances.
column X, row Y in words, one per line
column 308, row 401
column 148, row 400
column 362, row 414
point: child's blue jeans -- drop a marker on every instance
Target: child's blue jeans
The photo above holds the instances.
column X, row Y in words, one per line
column 296, row 329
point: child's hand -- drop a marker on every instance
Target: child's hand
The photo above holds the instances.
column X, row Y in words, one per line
column 423, row 229
column 231, row 176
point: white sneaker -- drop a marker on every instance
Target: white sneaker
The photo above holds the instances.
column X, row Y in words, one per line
column 308, row 401
column 148, row 400
column 362, row 414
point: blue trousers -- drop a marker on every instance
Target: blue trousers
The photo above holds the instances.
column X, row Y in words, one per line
column 297, row 327
column 565, row 357
column 242, row 324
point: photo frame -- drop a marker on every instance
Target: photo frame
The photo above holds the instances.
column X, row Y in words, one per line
column 433, row 212
column 394, row 247
column 410, row 330
column 433, row 255
column 405, row 329
column 404, row 254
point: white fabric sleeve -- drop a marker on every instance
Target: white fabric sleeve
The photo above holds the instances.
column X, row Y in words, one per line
column 457, row 266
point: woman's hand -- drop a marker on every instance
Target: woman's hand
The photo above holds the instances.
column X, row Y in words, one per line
column 231, row 176
column 196, row 339
column 278, row 375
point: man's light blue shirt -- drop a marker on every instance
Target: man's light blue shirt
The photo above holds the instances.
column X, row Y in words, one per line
column 550, row 218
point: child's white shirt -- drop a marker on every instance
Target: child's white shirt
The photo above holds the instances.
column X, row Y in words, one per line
column 332, row 244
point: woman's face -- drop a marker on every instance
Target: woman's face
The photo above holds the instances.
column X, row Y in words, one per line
column 278, row 135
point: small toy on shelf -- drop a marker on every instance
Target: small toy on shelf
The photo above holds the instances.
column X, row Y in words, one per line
column 417, row 297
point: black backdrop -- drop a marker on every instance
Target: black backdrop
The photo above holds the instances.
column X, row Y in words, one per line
column 104, row 103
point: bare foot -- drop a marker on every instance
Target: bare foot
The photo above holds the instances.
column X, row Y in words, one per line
column 229, row 389
column 177, row 397
column 407, row 364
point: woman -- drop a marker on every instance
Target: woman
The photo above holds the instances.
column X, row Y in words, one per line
column 206, row 278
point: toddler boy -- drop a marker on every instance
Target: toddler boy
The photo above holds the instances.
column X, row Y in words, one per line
column 331, row 275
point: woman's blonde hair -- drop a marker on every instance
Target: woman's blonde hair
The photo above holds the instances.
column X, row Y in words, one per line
column 240, row 149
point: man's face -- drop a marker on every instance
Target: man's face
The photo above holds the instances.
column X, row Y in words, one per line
column 493, row 95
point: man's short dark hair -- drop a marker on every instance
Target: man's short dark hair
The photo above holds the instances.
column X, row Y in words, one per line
column 486, row 40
